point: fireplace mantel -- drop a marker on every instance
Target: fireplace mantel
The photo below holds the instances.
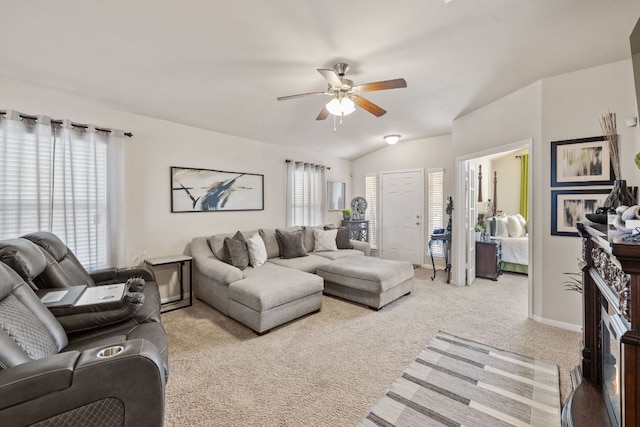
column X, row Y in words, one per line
column 610, row 289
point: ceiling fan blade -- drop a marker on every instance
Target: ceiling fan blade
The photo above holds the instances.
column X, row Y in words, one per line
column 323, row 114
column 331, row 76
column 365, row 104
column 383, row 85
column 300, row 95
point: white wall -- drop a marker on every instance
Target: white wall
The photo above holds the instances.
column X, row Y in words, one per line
column 571, row 108
column 156, row 145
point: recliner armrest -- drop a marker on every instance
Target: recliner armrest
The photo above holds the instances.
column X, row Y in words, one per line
column 37, row 378
column 109, row 276
column 60, row 384
column 82, row 318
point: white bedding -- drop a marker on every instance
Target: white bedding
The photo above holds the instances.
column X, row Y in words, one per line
column 515, row 249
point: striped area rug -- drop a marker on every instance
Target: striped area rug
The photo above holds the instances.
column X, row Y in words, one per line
column 455, row 382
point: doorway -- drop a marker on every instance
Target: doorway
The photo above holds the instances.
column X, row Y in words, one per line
column 465, row 217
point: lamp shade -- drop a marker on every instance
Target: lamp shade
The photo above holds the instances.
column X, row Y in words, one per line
column 392, row 139
column 341, row 106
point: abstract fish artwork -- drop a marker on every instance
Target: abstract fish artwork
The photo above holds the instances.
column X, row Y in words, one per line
column 205, row 190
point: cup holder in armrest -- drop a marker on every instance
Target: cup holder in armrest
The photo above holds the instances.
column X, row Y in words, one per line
column 110, row 351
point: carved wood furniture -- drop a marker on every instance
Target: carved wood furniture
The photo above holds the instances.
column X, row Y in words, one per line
column 610, row 370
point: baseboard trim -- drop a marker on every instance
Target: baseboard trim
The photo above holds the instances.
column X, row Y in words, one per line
column 556, row 324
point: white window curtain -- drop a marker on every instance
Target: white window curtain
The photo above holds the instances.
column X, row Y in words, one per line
column 64, row 178
column 306, row 197
column 435, row 179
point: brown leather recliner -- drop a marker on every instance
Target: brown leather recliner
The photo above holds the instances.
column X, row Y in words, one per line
column 115, row 376
column 65, row 270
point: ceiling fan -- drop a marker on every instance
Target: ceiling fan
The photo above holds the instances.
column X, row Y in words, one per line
column 346, row 95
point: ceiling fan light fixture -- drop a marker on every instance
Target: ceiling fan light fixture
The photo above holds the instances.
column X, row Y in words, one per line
column 341, row 106
column 392, row 139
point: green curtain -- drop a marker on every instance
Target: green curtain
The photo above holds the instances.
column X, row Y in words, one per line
column 524, row 186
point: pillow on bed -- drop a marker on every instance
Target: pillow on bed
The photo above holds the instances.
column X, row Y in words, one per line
column 514, row 227
column 501, row 226
column 523, row 223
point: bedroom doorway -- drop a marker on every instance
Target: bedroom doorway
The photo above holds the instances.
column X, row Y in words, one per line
column 496, row 176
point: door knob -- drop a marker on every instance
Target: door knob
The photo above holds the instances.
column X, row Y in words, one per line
column 418, row 216
column 417, row 223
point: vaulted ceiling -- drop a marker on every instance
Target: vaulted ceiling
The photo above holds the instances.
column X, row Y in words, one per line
column 220, row 65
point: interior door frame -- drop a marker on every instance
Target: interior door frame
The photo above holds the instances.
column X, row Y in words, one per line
column 459, row 233
column 380, row 236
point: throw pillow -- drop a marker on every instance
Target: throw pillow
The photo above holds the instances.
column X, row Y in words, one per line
column 325, row 240
column 342, row 238
column 514, row 227
column 257, row 251
column 523, row 223
column 291, row 243
column 235, row 250
column 501, row 227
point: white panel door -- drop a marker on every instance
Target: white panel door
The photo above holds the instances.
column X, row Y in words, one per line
column 470, row 222
column 402, row 214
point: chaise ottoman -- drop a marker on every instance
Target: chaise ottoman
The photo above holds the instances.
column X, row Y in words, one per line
column 374, row 282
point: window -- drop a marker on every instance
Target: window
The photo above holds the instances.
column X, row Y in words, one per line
column 65, row 179
column 435, row 178
column 306, row 194
column 371, row 195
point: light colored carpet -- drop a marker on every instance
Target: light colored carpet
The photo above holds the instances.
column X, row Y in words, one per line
column 328, row 368
column 455, row 382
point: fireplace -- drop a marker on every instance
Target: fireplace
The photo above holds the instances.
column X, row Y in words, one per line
column 612, row 328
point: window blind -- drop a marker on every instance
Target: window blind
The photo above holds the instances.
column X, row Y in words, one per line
column 306, row 194
column 371, row 195
column 435, row 178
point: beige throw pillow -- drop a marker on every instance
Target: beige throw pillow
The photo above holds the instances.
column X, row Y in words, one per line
column 257, row 251
column 325, row 240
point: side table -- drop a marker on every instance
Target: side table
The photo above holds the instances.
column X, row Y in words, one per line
column 358, row 229
column 181, row 260
column 443, row 239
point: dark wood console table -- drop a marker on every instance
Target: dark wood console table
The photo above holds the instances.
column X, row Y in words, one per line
column 606, row 382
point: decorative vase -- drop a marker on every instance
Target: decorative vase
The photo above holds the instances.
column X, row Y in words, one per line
column 619, row 196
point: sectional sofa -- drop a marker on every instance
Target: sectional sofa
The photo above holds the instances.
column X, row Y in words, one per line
column 290, row 283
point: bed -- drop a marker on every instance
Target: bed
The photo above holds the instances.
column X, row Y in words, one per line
column 511, row 231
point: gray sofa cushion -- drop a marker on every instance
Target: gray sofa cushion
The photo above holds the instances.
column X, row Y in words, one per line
column 308, row 263
column 236, row 252
column 340, row 253
column 291, row 243
column 272, row 285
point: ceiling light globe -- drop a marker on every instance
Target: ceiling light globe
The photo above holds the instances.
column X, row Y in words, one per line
column 341, row 107
column 392, row 139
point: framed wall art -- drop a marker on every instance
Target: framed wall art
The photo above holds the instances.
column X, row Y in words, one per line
column 579, row 162
column 207, row 190
column 571, row 206
column 335, row 195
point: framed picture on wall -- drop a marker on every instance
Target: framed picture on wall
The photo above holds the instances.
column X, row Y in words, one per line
column 335, row 195
column 579, row 162
column 569, row 207
column 209, row 190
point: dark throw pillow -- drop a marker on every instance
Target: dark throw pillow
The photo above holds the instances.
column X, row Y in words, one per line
column 342, row 238
column 236, row 252
column 291, row 243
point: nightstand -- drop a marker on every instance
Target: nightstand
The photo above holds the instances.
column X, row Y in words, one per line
column 488, row 259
